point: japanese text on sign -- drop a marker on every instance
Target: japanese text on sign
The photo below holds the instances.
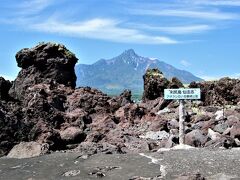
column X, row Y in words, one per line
column 193, row 93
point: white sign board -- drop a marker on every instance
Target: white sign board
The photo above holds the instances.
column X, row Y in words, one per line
column 193, row 93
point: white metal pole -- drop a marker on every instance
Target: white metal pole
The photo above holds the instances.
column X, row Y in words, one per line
column 181, row 122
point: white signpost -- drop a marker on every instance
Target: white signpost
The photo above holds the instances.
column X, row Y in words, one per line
column 181, row 95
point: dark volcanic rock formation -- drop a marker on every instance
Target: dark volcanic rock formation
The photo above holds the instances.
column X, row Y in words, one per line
column 45, row 107
column 41, row 90
column 175, row 83
column 226, row 91
column 4, row 88
column 48, row 108
column 46, row 63
column 154, row 84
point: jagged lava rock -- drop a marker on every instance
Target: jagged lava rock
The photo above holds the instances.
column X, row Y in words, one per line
column 46, row 108
column 226, row 91
column 87, row 98
column 45, row 63
column 5, row 85
column 73, row 134
column 41, row 89
column 154, row 84
column 175, row 83
column 195, row 138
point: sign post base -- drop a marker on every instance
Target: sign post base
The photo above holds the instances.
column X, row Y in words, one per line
column 181, row 122
column 182, row 94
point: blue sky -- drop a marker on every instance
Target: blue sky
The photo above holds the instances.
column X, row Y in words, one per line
column 201, row 36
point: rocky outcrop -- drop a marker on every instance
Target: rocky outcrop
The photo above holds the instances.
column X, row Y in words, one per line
column 226, row 91
column 46, row 79
column 175, row 83
column 46, row 63
column 4, row 88
column 154, row 84
column 46, row 108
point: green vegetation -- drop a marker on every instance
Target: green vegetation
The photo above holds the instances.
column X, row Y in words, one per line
column 154, row 72
column 65, row 51
column 61, row 48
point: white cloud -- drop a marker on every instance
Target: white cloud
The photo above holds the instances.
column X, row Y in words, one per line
column 25, row 12
column 188, row 29
column 217, row 2
column 104, row 29
column 185, row 63
column 32, row 16
column 210, row 15
column 28, row 7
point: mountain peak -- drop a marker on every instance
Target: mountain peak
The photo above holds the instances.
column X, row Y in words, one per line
column 129, row 52
column 125, row 71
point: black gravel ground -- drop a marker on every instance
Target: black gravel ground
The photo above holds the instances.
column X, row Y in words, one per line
column 175, row 164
